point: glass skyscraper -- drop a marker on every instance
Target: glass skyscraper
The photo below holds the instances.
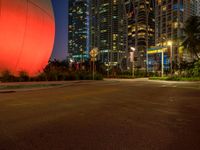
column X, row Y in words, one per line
column 141, row 28
column 107, row 30
column 78, row 29
column 170, row 18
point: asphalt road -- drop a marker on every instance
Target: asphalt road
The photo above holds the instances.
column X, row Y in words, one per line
column 102, row 115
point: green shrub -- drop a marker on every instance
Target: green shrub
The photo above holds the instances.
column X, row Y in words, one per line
column 72, row 76
column 153, row 74
column 196, row 69
column 61, row 76
column 41, row 77
column 8, row 77
column 23, row 76
column 98, row 76
column 140, row 73
column 176, row 78
column 52, row 76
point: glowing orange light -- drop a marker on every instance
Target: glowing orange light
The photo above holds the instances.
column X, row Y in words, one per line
column 27, row 32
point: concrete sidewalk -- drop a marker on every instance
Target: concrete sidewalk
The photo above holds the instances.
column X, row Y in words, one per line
column 35, row 82
column 9, row 87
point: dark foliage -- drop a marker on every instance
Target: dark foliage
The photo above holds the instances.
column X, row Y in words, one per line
column 192, row 35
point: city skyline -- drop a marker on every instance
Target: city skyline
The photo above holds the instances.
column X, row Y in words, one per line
column 116, row 27
column 61, row 16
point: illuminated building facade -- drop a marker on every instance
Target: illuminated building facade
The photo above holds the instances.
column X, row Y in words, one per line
column 141, row 28
column 107, row 30
column 195, row 7
column 198, row 7
column 170, row 18
column 78, row 29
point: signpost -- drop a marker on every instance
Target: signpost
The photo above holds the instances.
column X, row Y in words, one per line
column 93, row 54
column 158, row 50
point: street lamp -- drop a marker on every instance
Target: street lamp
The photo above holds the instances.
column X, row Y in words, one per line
column 107, row 64
column 170, row 43
column 132, row 59
column 162, row 63
column 81, row 51
column 71, row 61
column 82, row 59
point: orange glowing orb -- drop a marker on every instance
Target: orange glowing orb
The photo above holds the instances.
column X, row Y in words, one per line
column 27, row 30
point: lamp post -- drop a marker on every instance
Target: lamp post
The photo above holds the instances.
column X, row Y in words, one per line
column 170, row 43
column 132, row 59
column 81, row 51
column 71, row 61
column 107, row 64
column 162, row 65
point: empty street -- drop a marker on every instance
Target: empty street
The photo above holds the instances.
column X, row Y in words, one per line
column 102, row 115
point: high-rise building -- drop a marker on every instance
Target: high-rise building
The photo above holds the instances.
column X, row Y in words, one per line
column 170, row 18
column 141, row 27
column 198, row 7
column 78, row 29
column 195, row 7
column 107, row 30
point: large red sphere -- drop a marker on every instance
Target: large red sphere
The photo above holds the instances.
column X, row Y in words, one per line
column 27, row 30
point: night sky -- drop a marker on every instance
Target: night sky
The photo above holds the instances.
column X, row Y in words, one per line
column 60, row 45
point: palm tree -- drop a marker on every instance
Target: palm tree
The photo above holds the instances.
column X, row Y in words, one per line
column 192, row 35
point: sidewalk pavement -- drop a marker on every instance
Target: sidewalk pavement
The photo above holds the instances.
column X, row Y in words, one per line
column 12, row 86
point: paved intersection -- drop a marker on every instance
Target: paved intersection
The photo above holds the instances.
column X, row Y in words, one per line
column 102, row 115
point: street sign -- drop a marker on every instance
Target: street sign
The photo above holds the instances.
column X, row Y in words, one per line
column 94, row 52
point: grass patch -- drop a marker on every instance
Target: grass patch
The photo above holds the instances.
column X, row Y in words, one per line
column 176, row 78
